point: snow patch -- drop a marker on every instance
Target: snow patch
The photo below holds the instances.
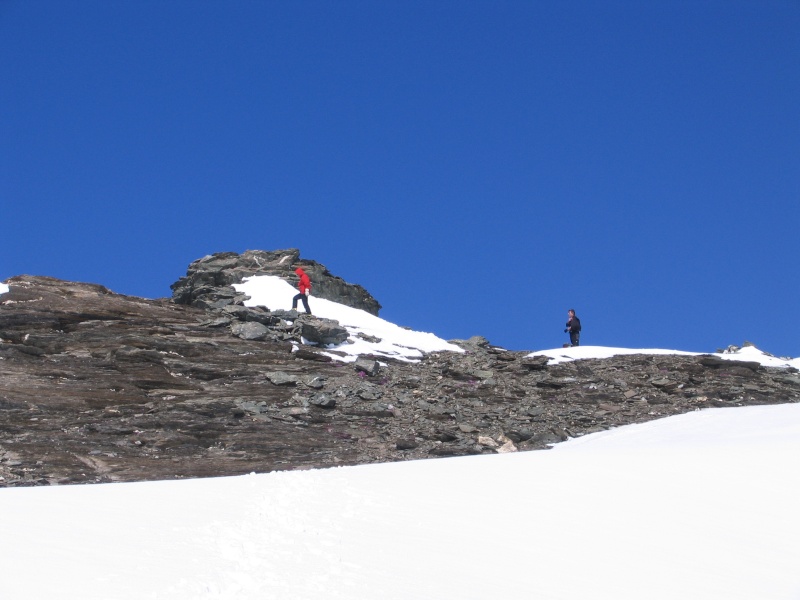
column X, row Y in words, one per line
column 748, row 353
column 394, row 341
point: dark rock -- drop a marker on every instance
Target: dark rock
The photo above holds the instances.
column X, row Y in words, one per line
column 286, row 315
column 314, row 382
column 656, row 400
column 30, row 350
column 412, row 381
column 368, row 338
column 367, row 366
column 445, row 436
column 306, row 354
column 554, row 383
column 322, row 401
column 209, row 279
column 792, row 380
column 519, row 435
column 369, row 392
column 407, row 444
column 250, row 330
column 476, row 342
column 255, row 408
column 281, row 378
column 256, row 314
column 321, row 331
column 216, row 322
column 709, row 360
column 535, row 363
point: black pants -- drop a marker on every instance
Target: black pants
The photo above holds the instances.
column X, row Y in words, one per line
column 575, row 338
column 304, row 298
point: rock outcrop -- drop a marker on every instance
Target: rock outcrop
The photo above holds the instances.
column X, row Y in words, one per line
column 100, row 387
column 209, row 280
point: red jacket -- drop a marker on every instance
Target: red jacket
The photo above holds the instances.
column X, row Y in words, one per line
column 305, row 282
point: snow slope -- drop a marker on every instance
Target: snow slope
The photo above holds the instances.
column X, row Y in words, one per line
column 396, row 342
column 699, row 506
column 748, row 353
column 405, row 344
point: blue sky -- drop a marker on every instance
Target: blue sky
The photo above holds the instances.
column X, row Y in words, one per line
column 480, row 167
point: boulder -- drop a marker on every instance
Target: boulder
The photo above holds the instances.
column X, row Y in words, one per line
column 367, row 366
column 250, row 330
column 281, row 378
column 406, row 444
column 321, row 331
column 322, row 400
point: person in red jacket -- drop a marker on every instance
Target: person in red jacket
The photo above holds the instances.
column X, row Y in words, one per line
column 305, row 289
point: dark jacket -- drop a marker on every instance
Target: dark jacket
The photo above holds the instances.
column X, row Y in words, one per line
column 574, row 325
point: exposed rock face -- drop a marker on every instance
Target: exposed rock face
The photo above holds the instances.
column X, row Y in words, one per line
column 321, row 331
column 208, row 280
column 97, row 386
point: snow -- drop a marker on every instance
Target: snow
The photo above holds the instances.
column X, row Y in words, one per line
column 747, row 353
column 396, row 342
column 560, row 355
column 701, row 505
column 3, row 288
column 404, row 344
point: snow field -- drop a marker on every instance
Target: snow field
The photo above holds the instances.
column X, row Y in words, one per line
column 700, row 505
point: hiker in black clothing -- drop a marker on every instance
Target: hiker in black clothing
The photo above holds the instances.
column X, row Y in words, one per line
column 573, row 328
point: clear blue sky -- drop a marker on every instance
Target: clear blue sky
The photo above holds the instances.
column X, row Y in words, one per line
column 480, row 167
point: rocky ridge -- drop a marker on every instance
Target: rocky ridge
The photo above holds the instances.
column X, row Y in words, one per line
column 209, row 281
column 101, row 387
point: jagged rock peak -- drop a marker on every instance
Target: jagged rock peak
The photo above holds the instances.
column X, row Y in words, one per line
column 209, row 279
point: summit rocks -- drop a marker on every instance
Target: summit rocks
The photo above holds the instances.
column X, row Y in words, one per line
column 101, row 387
column 209, row 281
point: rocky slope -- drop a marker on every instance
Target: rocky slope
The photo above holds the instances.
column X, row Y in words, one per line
column 100, row 387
